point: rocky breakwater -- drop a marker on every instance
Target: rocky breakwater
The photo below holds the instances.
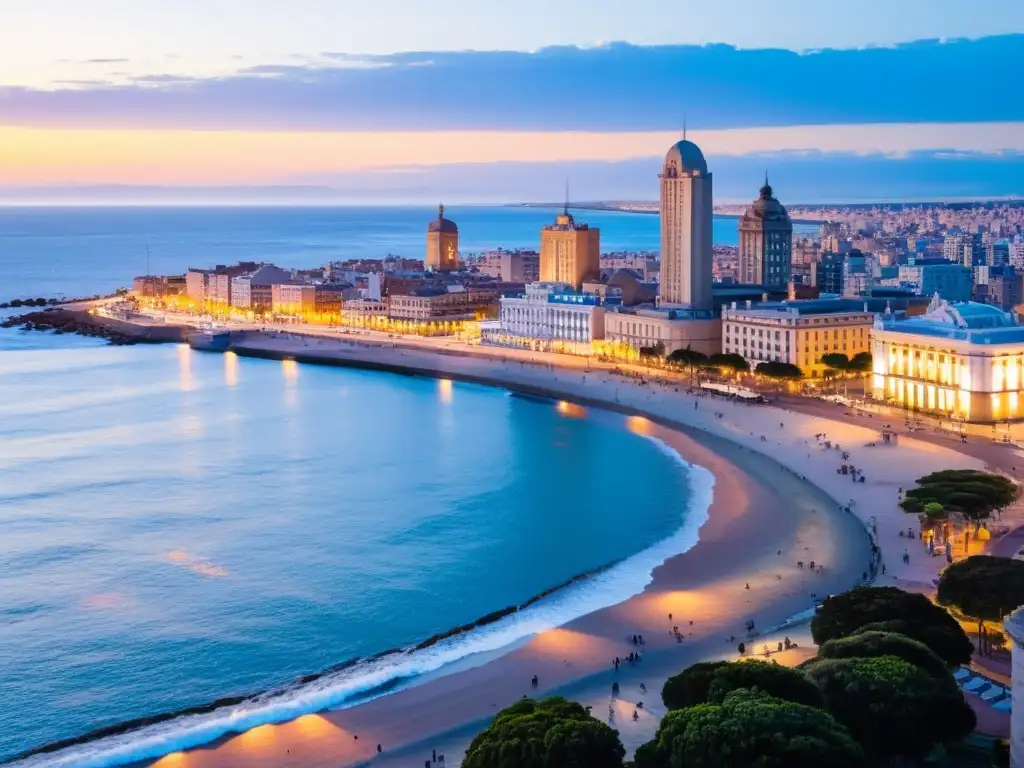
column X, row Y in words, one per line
column 85, row 324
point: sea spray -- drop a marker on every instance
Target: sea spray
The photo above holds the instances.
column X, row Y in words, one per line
column 383, row 673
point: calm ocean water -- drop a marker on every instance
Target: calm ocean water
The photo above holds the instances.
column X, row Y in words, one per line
column 177, row 527
column 82, row 251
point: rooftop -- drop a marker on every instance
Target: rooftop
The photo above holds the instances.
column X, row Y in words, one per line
column 960, row 321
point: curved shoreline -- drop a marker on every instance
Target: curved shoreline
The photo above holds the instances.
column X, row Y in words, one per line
column 440, row 365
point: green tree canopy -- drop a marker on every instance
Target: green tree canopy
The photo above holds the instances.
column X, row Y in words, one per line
column 657, row 350
column 545, row 734
column 874, row 643
column 974, row 493
column 690, row 687
column 861, row 362
column 688, row 357
column 983, row 587
column 774, row 679
column 750, row 728
column 775, row 370
column 836, row 360
column 891, row 707
column 731, row 361
column 891, row 609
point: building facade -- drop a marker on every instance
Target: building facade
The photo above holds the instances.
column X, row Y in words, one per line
column 550, row 316
column 686, row 215
column 953, row 282
column 673, row 328
column 570, row 252
column 442, row 244
column 766, row 241
column 438, row 305
column 253, row 291
column 962, row 361
column 827, row 273
column 797, row 332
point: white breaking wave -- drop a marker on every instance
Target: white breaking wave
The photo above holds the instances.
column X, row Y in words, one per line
column 332, row 691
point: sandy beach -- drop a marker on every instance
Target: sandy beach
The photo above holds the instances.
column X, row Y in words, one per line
column 778, row 499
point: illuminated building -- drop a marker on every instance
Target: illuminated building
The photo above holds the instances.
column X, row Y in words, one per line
column 686, row 214
column 301, row 299
column 684, row 314
column 434, row 303
column 551, row 316
column 766, row 241
column 797, row 332
column 569, row 252
column 253, row 291
column 963, row 361
column 158, row 286
column 442, row 244
column 519, row 266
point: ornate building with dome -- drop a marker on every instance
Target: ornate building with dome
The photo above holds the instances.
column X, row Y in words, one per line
column 766, row 241
column 442, row 244
column 963, row 361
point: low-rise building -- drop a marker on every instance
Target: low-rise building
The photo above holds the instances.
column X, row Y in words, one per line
column 953, row 282
column 964, row 361
column 797, row 332
column 434, row 304
column 300, row 300
column 159, row 286
column 253, row 292
column 551, row 317
column 671, row 327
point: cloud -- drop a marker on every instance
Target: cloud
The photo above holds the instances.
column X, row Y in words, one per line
column 105, row 61
column 614, row 87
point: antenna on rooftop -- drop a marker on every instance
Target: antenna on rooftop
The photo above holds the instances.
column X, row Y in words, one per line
column 567, row 195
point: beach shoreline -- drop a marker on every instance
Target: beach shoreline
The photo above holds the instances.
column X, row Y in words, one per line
column 765, row 515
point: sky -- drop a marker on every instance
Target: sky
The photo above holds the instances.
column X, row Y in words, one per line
column 403, row 99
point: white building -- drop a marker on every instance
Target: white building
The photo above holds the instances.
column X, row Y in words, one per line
column 963, row 361
column 686, row 215
column 1014, row 626
column 550, row 316
column 797, row 332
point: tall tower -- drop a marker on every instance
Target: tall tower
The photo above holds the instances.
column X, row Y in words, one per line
column 686, row 210
column 766, row 241
column 570, row 252
column 442, row 243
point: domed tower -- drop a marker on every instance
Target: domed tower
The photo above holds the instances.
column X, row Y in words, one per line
column 442, row 243
column 686, row 211
column 766, row 241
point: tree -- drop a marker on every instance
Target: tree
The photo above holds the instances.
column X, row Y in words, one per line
column 657, row 350
column 544, row 734
column 862, row 362
column 774, row 679
column 871, row 644
column 750, row 728
column 983, row 588
column 730, row 361
column 690, row 687
column 891, row 707
column 974, row 493
column 836, row 361
column 774, row 370
column 688, row 358
column 892, row 609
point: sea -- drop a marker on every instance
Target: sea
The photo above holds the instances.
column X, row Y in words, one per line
column 213, row 543
column 73, row 252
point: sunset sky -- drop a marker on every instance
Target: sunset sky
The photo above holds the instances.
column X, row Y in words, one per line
column 403, row 98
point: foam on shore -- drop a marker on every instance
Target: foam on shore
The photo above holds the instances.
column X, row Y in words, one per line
column 371, row 678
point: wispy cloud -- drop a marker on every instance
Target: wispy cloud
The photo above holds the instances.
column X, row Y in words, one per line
column 613, row 87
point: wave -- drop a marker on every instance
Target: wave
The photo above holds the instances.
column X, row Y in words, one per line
column 361, row 680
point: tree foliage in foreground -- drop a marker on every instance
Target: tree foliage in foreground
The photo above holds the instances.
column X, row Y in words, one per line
column 891, row 707
column 893, row 610
column 730, row 360
column 711, row 682
column 553, row 733
column 983, row 587
column 750, row 728
column 868, row 645
column 974, row 493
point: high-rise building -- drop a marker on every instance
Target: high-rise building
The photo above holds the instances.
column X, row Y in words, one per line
column 570, row 252
column 827, row 273
column 686, row 211
column 442, row 244
column 766, row 241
